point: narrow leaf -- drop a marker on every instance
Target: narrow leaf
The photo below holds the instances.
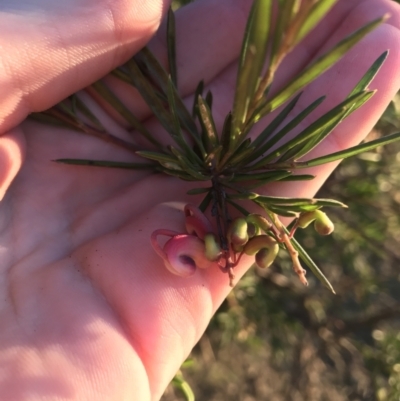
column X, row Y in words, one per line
column 252, row 59
column 102, row 89
column 106, row 163
column 317, row 68
column 285, row 130
column 206, row 202
column 177, row 132
column 160, row 77
column 355, row 150
column 269, row 176
column 277, row 200
column 157, row 156
column 317, row 127
column 171, row 47
column 207, row 122
column 304, row 149
column 310, row 263
column 197, row 191
column 298, row 177
column 370, row 74
column 198, row 92
column 275, row 123
column 315, row 15
column 150, row 96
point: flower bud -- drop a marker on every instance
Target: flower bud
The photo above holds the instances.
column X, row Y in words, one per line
column 265, row 257
column 252, row 229
column 265, row 249
column 322, row 223
column 237, row 232
column 259, row 242
column 196, row 222
column 259, row 221
column 213, row 250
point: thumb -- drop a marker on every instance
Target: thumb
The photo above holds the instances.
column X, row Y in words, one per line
column 52, row 49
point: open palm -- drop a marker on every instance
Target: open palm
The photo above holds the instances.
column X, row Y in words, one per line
column 88, row 310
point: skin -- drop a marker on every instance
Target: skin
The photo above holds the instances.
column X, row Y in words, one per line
column 88, row 310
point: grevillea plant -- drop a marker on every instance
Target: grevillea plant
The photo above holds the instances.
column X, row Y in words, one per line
column 228, row 167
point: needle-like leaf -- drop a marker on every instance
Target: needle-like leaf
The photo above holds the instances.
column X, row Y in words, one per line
column 171, row 47
column 310, row 263
column 314, row 16
column 102, row 89
column 106, row 163
column 332, row 117
column 317, row 68
column 252, row 59
column 355, row 150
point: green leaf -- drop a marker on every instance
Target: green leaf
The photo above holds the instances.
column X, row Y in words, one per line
column 238, row 207
column 106, row 163
column 241, row 153
column 209, row 99
column 171, row 47
column 284, row 131
column 317, row 68
column 188, row 166
column 370, row 74
column 252, row 59
column 314, row 16
column 177, row 173
column 210, row 133
column 304, row 149
column 198, row 92
column 275, row 123
column 157, row 156
column 177, row 132
column 310, row 263
column 206, row 202
column 278, row 200
column 355, row 150
column 46, row 117
column 161, row 78
column 266, row 176
column 149, row 95
column 298, row 177
column 285, row 13
column 226, row 133
column 114, row 101
column 197, row 191
column 81, row 106
column 281, row 211
column 334, row 116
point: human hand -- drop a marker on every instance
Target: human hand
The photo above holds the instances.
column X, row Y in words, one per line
column 89, row 311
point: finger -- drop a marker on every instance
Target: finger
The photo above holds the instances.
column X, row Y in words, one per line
column 50, row 50
column 12, row 152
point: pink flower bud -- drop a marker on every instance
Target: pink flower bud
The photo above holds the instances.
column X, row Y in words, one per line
column 182, row 254
column 196, row 222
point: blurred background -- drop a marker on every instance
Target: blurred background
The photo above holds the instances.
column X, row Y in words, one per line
column 275, row 340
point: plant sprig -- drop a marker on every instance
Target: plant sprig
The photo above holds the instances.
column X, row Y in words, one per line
column 233, row 163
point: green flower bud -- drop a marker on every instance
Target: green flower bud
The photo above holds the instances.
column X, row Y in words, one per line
column 252, row 229
column 259, row 221
column 307, row 218
column 265, row 257
column 213, row 250
column 322, row 223
column 259, row 242
column 237, row 232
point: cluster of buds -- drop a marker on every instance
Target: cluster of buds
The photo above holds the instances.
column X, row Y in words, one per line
column 199, row 247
